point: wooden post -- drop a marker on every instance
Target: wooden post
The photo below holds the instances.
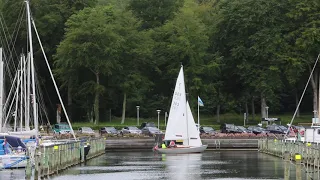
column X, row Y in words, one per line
column 286, row 156
column 298, row 160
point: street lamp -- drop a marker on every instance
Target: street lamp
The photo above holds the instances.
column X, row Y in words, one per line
column 158, row 118
column 165, row 118
column 314, row 113
column 267, row 111
column 138, row 115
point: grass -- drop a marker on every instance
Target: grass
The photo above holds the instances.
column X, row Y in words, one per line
column 236, row 119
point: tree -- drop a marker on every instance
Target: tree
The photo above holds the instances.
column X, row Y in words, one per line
column 154, row 13
column 92, row 41
column 304, row 39
column 250, row 34
column 182, row 40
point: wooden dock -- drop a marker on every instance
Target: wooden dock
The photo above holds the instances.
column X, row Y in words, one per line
column 48, row 160
column 306, row 156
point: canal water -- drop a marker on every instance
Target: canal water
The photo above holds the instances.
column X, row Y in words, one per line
column 223, row 165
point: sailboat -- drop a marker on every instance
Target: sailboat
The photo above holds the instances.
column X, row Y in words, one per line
column 181, row 126
column 27, row 88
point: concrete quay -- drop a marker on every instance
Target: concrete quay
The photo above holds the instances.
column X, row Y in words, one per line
column 130, row 143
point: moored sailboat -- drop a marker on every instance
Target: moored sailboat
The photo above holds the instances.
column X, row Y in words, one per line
column 181, row 127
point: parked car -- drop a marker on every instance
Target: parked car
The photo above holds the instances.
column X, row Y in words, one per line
column 229, row 128
column 277, row 129
column 150, row 131
column 207, row 130
column 61, row 128
column 85, row 130
column 147, row 124
column 109, row 130
column 243, row 129
column 257, row 130
column 130, row 130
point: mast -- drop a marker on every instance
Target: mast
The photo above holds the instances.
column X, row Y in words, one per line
column 28, row 92
column 33, row 95
column 26, row 111
column 21, row 90
column 1, row 89
column 17, row 100
column 186, row 109
column 318, row 104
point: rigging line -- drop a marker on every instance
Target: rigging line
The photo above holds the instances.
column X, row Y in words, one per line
column 40, row 99
column 305, row 88
column 5, row 27
column 16, row 29
column 5, row 35
column 53, row 80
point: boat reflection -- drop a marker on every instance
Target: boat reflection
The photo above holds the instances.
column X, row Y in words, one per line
column 182, row 166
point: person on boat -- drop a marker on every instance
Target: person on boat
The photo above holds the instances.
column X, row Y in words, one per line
column 163, row 146
column 172, row 144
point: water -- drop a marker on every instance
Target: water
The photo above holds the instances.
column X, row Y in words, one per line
column 144, row 165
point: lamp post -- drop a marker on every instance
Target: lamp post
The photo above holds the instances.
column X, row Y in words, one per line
column 314, row 113
column 165, row 118
column 267, row 111
column 138, row 115
column 158, row 118
column 314, row 117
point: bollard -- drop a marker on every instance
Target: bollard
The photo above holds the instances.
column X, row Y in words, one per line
column 286, row 156
column 298, row 159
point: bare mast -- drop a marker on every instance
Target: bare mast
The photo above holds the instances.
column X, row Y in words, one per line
column 33, row 96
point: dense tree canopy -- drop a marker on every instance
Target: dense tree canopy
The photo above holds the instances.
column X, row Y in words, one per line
column 116, row 54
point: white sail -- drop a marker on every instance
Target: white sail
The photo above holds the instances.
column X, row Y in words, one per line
column 181, row 125
column 177, row 123
column 193, row 133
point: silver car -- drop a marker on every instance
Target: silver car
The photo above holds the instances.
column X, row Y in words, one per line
column 85, row 130
column 130, row 130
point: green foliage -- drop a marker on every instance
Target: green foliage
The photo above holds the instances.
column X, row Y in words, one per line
column 232, row 51
column 154, row 13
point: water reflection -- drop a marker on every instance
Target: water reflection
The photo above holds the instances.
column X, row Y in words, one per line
column 183, row 166
column 223, row 165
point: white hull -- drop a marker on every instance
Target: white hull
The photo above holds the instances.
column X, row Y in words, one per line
column 182, row 150
column 13, row 161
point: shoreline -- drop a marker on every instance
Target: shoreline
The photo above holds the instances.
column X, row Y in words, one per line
column 129, row 144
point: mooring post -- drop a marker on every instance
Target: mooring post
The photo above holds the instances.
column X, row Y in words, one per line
column 286, row 156
column 298, row 159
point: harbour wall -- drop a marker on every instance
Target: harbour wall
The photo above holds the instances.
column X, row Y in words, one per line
column 116, row 144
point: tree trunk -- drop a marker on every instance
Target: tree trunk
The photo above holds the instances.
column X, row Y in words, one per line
column 218, row 113
column 314, row 84
column 124, row 108
column 96, row 100
column 263, row 106
column 297, row 102
column 247, row 110
column 70, row 110
column 252, row 108
column 89, row 115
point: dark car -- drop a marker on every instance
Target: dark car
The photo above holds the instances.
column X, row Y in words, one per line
column 150, row 131
column 229, row 128
column 147, row 124
column 277, row 129
column 207, row 130
column 109, row 130
column 257, row 130
column 243, row 129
